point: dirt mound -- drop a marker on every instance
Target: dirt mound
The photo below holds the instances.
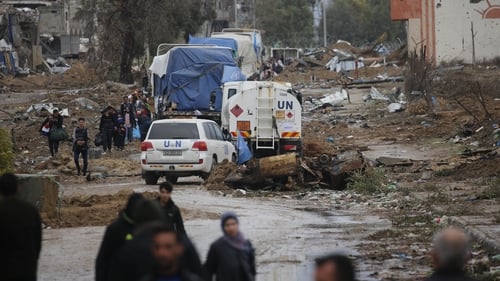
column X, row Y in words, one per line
column 97, row 210
column 79, row 75
column 92, row 210
column 477, row 169
column 216, row 179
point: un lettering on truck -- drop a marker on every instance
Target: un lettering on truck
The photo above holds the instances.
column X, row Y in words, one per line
column 287, row 120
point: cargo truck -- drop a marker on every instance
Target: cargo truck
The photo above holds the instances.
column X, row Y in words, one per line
column 204, row 82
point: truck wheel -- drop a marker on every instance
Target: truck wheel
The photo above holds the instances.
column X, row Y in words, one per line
column 234, row 159
column 171, row 179
column 151, row 178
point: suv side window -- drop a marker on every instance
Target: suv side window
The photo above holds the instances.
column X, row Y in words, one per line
column 209, row 131
column 218, row 132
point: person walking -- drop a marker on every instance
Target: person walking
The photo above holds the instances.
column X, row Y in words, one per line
column 231, row 257
column 134, row 260
column 107, row 127
column 130, row 123
column 80, row 146
column 334, row 267
column 126, row 105
column 167, row 251
column 172, row 212
column 144, row 121
column 117, row 234
column 120, row 135
column 20, row 235
column 49, row 127
column 450, row 253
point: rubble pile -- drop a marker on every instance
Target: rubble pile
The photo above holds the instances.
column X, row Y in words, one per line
column 37, row 38
column 344, row 64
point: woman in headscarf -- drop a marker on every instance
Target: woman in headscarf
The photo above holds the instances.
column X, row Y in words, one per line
column 231, row 257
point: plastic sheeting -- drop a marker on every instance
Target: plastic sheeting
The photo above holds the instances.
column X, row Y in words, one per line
column 221, row 42
column 245, row 50
column 232, row 73
column 244, row 153
column 191, row 75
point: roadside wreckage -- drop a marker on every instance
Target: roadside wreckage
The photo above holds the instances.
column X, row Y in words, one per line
column 326, row 171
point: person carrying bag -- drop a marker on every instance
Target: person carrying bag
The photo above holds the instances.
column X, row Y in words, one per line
column 80, row 146
column 52, row 127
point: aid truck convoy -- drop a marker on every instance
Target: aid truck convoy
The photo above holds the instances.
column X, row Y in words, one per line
column 203, row 81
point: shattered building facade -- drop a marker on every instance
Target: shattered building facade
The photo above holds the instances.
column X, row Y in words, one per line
column 31, row 32
column 229, row 13
column 451, row 30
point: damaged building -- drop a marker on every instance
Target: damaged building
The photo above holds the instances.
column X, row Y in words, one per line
column 451, row 30
column 35, row 34
column 228, row 13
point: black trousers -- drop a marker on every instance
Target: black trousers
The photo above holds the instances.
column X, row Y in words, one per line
column 85, row 156
column 107, row 139
column 53, row 147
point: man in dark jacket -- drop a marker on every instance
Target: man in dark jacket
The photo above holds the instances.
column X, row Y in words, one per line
column 172, row 212
column 144, row 122
column 20, row 234
column 135, row 259
column 107, row 127
column 80, row 146
column 449, row 255
column 117, row 234
column 167, row 249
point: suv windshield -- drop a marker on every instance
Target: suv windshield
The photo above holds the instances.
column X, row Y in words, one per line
column 174, row 131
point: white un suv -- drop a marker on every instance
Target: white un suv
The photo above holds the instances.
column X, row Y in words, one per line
column 183, row 147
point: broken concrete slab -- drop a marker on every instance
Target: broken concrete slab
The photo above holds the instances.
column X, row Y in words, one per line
column 395, row 107
column 86, row 103
column 41, row 191
column 376, row 95
column 313, row 62
column 391, row 162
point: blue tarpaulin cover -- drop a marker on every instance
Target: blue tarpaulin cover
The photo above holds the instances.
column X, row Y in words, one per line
column 192, row 74
column 232, row 73
column 222, row 42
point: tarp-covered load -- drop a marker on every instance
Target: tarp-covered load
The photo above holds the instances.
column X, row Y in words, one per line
column 221, row 42
column 246, row 50
column 188, row 75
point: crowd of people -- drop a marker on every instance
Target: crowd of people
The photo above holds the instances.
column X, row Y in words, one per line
column 116, row 129
column 148, row 242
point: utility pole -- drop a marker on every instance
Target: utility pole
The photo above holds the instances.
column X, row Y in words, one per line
column 254, row 11
column 235, row 13
column 324, row 23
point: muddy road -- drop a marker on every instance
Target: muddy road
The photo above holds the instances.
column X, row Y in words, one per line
column 288, row 233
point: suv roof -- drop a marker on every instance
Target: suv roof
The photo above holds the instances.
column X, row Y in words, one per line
column 197, row 121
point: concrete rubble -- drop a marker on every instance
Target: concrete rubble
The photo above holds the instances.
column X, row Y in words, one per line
column 35, row 38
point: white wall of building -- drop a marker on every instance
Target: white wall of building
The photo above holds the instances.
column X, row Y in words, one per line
column 453, row 30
